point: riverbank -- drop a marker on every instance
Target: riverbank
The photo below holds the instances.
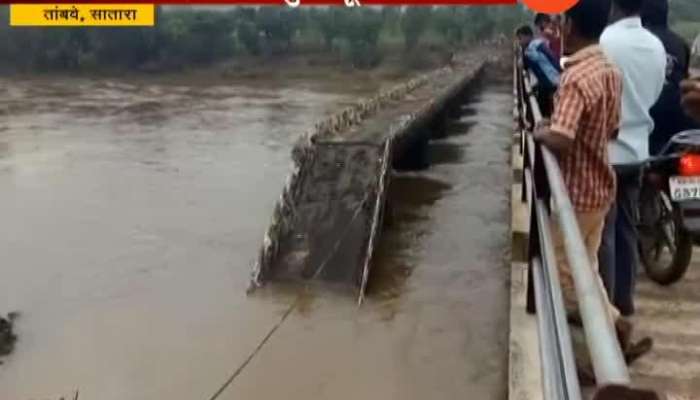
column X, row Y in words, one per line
column 395, row 66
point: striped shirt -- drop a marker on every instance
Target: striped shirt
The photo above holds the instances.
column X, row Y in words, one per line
column 587, row 110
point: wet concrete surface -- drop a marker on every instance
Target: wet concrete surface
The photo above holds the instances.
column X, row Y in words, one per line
column 133, row 213
column 333, row 210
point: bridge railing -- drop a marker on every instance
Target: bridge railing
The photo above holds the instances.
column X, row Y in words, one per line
column 545, row 193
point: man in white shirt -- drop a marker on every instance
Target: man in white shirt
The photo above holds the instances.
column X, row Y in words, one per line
column 641, row 57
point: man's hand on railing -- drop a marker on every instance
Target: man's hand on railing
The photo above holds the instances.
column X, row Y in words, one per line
column 542, row 124
column 558, row 142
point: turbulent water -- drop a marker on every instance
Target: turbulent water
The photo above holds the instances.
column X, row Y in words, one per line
column 132, row 212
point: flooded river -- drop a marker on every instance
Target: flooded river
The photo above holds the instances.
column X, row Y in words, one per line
column 133, row 211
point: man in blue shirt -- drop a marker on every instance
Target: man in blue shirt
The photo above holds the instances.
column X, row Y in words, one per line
column 539, row 59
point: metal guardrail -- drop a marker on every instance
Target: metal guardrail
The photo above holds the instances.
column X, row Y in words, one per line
column 545, row 193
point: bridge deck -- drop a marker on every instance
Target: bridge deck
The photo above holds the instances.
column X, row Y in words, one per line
column 671, row 315
column 668, row 314
column 376, row 129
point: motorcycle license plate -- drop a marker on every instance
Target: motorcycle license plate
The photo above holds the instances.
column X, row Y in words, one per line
column 684, row 188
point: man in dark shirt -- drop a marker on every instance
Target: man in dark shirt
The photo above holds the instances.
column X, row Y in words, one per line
column 668, row 114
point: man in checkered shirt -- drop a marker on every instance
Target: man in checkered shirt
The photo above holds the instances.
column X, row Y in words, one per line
column 586, row 118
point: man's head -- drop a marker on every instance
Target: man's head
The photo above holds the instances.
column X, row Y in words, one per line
column 542, row 21
column 584, row 23
column 655, row 13
column 556, row 20
column 626, row 8
column 525, row 35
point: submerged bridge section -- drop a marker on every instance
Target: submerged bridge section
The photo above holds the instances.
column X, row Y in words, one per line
column 328, row 219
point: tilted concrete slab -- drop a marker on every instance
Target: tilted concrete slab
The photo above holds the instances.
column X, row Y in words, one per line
column 327, row 222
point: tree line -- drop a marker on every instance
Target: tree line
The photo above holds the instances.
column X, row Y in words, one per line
column 190, row 37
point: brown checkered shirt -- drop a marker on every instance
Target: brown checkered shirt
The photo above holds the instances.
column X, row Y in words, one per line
column 587, row 110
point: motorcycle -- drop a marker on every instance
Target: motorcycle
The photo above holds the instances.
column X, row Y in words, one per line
column 669, row 209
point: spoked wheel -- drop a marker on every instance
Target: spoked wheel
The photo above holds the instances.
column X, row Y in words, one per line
column 665, row 247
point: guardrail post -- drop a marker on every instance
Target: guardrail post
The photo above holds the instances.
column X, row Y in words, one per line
column 540, row 178
column 526, row 167
column 533, row 252
column 529, row 115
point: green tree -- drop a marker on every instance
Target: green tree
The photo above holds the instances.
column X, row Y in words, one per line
column 362, row 30
column 448, row 23
column 278, row 26
column 685, row 18
column 414, row 21
column 248, row 34
column 392, row 19
column 684, row 10
column 479, row 21
column 191, row 37
column 331, row 23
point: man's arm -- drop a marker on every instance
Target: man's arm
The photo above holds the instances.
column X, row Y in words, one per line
column 558, row 142
column 559, row 135
column 549, row 55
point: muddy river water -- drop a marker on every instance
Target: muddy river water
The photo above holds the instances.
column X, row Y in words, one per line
column 132, row 212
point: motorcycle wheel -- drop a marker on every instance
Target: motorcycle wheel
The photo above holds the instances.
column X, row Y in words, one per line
column 665, row 246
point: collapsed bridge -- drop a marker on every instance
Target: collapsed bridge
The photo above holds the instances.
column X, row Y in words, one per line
column 327, row 222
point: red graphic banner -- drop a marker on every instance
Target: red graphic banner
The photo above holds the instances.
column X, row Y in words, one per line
column 344, row 3
column 545, row 6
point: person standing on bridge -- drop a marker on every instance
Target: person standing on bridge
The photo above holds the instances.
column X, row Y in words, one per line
column 690, row 88
column 549, row 30
column 586, row 118
column 691, row 97
column 539, row 59
column 642, row 59
column 668, row 115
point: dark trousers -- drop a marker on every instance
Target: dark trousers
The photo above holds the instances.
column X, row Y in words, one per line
column 618, row 255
